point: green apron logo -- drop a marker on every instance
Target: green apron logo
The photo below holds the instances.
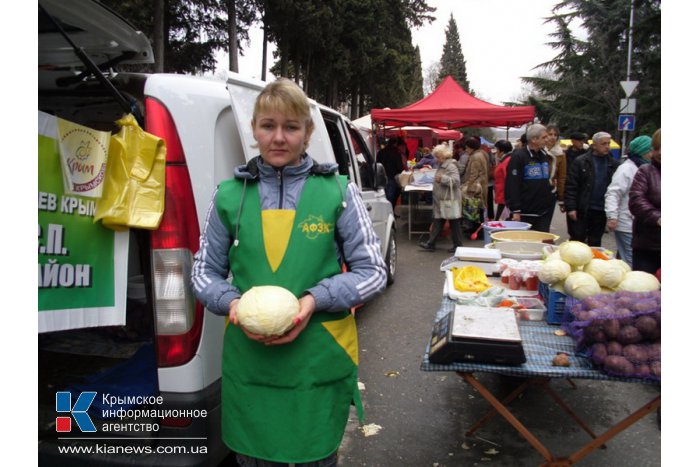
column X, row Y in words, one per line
column 313, row 226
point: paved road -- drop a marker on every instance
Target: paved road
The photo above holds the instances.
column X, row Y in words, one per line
column 424, row 416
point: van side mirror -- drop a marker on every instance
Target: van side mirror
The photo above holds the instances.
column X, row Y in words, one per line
column 381, row 175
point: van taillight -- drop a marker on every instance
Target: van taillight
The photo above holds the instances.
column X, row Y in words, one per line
column 179, row 316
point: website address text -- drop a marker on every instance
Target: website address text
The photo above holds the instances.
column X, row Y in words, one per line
column 101, row 448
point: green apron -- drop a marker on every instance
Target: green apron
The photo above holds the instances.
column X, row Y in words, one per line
column 288, row 403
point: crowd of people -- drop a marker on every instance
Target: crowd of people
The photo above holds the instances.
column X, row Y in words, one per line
column 596, row 191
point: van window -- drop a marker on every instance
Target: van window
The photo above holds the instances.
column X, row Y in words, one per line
column 365, row 159
column 338, row 146
column 342, row 148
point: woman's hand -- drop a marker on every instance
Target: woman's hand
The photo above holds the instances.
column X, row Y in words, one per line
column 307, row 306
column 232, row 309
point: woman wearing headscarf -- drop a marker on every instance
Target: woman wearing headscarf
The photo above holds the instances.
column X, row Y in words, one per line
column 618, row 194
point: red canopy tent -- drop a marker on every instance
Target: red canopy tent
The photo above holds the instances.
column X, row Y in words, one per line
column 450, row 106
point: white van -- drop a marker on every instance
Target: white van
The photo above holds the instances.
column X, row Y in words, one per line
column 205, row 124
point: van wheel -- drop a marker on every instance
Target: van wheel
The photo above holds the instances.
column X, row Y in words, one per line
column 390, row 259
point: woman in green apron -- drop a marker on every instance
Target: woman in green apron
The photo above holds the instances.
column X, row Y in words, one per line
column 288, row 221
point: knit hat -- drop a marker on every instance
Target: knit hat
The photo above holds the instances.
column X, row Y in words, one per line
column 640, row 145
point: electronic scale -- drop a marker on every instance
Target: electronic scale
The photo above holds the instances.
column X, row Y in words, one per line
column 477, row 334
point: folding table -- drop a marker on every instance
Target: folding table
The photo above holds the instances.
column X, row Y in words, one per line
column 414, row 206
column 540, row 345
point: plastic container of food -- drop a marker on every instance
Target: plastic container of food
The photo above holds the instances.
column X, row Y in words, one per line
column 498, row 226
column 533, row 309
column 516, row 277
column 518, row 250
column 524, row 236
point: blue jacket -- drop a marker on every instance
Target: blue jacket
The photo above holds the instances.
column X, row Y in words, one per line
column 366, row 277
column 428, row 160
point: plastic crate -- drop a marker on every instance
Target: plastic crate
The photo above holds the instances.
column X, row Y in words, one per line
column 555, row 303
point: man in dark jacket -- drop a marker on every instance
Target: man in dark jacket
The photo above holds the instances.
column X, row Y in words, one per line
column 528, row 190
column 586, row 182
column 577, row 148
column 390, row 158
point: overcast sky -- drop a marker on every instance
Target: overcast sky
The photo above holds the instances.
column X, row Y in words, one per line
column 501, row 40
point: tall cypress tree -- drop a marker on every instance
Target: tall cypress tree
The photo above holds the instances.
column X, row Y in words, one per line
column 452, row 60
column 415, row 84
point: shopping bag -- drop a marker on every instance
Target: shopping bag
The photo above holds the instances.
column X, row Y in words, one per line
column 450, row 208
column 134, row 187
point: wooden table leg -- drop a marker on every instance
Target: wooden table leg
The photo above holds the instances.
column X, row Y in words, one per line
column 492, row 411
column 508, row 416
column 588, row 448
column 569, row 410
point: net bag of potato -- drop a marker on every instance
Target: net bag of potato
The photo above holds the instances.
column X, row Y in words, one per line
column 620, row 332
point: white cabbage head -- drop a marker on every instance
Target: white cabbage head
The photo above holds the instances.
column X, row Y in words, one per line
column 622, row 265
column 555, row 255
column 554, row 270
column 580, row 285
column 575, row 253
column 559, row 287
column 639, row 281
column 267, row 310
column 608, row 273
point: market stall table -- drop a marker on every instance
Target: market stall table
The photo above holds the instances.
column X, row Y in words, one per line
column 414, row 206
column 540, row 345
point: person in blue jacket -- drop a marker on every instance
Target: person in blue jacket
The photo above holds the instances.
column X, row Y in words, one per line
column 428, row 160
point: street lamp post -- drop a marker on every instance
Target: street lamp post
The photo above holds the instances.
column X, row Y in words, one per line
column 629, row 69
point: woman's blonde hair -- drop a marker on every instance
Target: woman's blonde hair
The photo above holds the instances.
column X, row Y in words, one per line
column 444, row 150
column 283, row 95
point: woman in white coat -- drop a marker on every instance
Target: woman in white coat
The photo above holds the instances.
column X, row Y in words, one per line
column 617, row 196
